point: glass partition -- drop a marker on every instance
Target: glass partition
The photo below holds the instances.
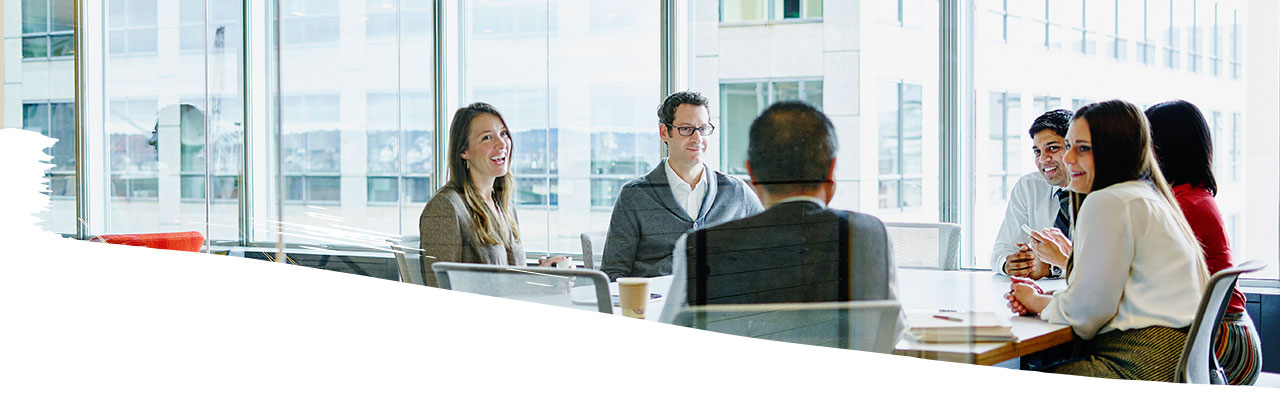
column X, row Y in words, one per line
column 39, row 93
column 179, row 127
column 173, row 116
column 355, row 122
column 577, row 82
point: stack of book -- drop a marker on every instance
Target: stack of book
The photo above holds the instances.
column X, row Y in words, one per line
column 959, row 327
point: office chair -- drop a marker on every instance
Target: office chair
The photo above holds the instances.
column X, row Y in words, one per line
column 583, row 289
column 408, row 258
column 1197, row 363
column 925, row 245
column 593, row 248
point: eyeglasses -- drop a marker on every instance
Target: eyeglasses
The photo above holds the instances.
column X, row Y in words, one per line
column 705, row 130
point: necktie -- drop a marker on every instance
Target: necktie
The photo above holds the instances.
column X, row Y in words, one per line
column 1063, row 222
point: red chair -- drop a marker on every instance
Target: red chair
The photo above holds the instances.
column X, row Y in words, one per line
column 181, row 241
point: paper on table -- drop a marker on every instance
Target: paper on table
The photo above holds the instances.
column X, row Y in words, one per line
column 959, row 327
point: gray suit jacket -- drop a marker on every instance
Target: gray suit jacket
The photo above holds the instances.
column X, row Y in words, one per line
column 794, row 252
column 647, row 220
column 445, row 226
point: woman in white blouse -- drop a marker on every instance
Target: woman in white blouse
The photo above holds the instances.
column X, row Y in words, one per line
column 1136, row 273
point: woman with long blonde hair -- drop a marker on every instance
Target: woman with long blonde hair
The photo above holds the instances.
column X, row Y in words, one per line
column 471, row 218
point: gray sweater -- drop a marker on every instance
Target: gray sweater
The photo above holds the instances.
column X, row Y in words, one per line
column 647, row 220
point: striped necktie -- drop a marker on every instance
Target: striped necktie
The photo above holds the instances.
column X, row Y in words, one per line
column 1063, row 222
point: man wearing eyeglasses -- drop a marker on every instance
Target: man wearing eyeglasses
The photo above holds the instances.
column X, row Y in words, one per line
column 679, row 195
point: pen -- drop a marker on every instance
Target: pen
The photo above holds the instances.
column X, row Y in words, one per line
column 948, row 318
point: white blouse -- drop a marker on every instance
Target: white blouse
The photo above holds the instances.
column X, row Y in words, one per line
column 1134, row 267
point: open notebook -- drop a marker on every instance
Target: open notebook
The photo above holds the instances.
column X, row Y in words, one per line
column 959, row 327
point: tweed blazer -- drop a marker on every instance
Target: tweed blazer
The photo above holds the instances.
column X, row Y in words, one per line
column 647, row 220
column 794, row 252
column 445, row 226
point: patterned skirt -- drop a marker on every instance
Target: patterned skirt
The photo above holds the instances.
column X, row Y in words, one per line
column 1238, row 349
column 1149, row 354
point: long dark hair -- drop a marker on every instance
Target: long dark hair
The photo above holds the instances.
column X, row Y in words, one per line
column 1121, row 140
column 489, row 228
column 1183, row 144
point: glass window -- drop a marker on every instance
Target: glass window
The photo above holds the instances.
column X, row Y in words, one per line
column 1005, row 142
column 893, row 176
column 40, row 87
column 743, row 10
column 623, row 142
column 1235, row 45
column 513, row 18
column 47, row 28
column 891, row 12
column 56, row 120
column 132, row 27
column 134, row 157
column 1099, row 25
column 527, row 59
column 900, row 159
column 1216, row 36
column 741, row 102
column 1132, row 27
column 761, row 10
column 1235, row 157
column 1042, row 104
column 357, row 125
column 1179, row 13
column 357, row 138
column 309, row 22
column 174, row 129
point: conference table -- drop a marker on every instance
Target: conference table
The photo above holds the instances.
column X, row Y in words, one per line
column 981, row 291
column 933, row 290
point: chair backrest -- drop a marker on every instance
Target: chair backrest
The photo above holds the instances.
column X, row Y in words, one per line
column 925, row 245
column 1197, row 364
column 182, row 241
column 409, row 258
column 593, row 248
column 583, row 289
column 857, row 325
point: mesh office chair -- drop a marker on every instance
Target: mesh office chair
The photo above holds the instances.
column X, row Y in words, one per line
column 593, row 248
column 582, row 289
column 925, row 245
column 856, row 325
column 1198, row 364
column 409, row 259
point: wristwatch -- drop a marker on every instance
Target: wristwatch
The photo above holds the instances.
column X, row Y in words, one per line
column 1055, row 271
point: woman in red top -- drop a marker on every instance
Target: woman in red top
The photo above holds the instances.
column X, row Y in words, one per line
column 1185, row 152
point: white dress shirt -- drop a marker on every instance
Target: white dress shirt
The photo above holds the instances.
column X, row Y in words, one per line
column 1031, row 202
column 1134, row 266
column 689, row 197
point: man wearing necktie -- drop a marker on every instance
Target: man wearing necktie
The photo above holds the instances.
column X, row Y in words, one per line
column 1039, row 200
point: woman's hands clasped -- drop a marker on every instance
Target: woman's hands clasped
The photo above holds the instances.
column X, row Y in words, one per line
column 1025, row 298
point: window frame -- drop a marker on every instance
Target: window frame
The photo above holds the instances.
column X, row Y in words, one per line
column 900, row 177
column 48, row 34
